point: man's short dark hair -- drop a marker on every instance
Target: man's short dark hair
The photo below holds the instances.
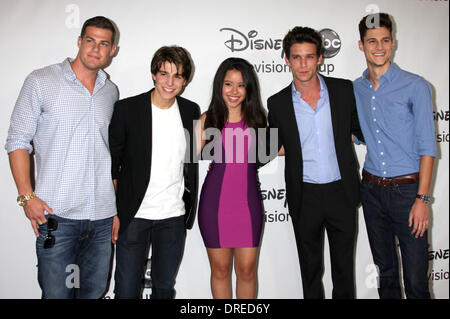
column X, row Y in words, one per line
column 99, row 22
column 172, row 54
column 372, row 21
column 302, row 35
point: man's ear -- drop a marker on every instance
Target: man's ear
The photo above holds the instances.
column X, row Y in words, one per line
column 286, row 59
column 361, row 45
column 320, row 60
column 113, row 50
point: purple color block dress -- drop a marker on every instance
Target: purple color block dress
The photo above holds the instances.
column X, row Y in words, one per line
column 230, row 209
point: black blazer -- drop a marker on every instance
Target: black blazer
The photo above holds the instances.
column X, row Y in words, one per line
column 345, row 123
column 130, row 142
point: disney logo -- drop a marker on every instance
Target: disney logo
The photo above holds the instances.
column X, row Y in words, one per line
column 240, row 42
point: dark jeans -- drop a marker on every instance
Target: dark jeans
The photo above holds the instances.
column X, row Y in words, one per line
column 167, row 238
column 386, row 212
column 324, row 207
column 77, row 266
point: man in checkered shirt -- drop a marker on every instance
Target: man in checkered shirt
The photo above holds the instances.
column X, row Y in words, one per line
column 62, row 114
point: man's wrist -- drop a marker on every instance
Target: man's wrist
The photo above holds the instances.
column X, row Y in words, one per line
column 425, row 198
column 23, row 199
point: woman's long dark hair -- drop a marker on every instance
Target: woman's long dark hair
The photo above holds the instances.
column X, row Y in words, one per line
column 252, row 110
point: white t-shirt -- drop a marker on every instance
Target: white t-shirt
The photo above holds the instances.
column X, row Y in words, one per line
column 164, row 196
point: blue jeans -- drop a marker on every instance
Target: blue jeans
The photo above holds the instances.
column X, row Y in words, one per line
column 78, row 265
column 386, row 212
column 167, row 237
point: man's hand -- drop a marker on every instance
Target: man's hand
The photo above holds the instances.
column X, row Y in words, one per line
column 419, row 218
column 34, row 210
column 115, row 229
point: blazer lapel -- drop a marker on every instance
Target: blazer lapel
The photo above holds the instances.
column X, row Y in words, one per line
column 184, row 113
column 147, row 126
column 333, row 106
column 186, row 119
column 291, row 122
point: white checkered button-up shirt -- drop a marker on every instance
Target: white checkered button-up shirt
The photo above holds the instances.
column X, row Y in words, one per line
column 69, row 130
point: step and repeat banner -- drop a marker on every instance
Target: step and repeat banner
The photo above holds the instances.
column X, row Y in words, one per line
column 38, row 33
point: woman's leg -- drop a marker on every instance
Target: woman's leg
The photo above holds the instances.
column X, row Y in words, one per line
column 245, row 260
column 220, row 262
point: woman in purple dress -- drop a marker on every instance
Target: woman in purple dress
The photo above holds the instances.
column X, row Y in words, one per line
column 230, row 212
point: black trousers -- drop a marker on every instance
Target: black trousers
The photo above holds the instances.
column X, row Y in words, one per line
column 167, row 237
column 325, row 207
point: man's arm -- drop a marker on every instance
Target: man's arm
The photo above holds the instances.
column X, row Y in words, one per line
column 419, row 215
column 355, row 126
column 23, row 125
column 422, row 107
column 116, row 146
column 274, row 124
column 117, row 140
column 19, row 161
column 116, row 221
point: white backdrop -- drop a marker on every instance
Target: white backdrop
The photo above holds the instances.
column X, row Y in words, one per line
column 38, row 33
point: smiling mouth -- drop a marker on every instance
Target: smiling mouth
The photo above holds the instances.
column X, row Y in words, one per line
column 233, row 99
column 168, row 90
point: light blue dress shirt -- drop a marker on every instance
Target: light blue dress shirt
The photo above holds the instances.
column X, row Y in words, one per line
column 396, row 121
column 315, row 129
column 69, row 129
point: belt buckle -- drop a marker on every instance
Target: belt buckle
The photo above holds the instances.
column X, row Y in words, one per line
column 384, row 181
column 394, row 183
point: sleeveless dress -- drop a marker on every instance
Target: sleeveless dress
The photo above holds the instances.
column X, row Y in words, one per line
column 230, row 211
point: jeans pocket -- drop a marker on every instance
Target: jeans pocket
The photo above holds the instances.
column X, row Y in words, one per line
column 407, row 191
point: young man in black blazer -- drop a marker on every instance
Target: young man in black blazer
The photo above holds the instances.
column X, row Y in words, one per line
column 316, row 117
column 156, row 177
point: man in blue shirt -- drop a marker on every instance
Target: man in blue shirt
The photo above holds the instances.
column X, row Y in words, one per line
column 316, row 117
column 62, row 114
column 396, row 116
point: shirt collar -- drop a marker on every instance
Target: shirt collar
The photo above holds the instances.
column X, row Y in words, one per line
column 388, row 76
column 68, row 72
column 67, row 69
column 323, row 86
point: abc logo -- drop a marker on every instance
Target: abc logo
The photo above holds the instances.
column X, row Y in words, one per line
column 331, row 43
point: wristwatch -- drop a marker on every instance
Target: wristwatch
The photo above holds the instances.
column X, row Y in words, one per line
column 424, row 198
column 23, row 199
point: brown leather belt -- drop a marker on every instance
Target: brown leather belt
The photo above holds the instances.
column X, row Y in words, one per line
column 391, row 181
